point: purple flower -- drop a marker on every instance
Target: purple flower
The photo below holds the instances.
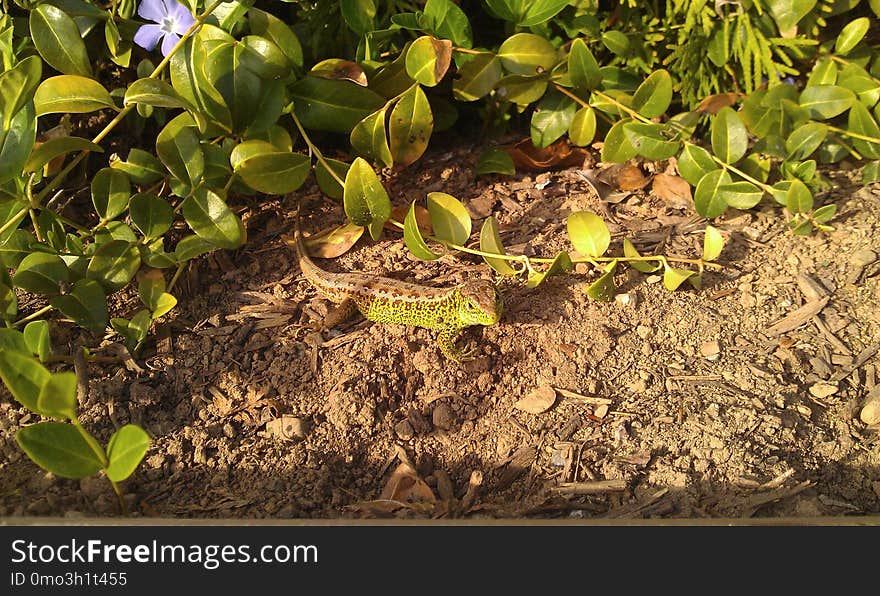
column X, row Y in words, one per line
column 172, row 20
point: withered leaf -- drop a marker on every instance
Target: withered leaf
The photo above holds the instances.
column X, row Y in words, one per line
column 560, row 154
column 713, row 103
column 423, row 219
column 537, row 401
column 340, row 70
column 673, row 189
column 624, row 177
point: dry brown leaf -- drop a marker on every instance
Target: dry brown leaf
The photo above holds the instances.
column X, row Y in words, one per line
column 624, row 177
column 714, row 103
column 673, row 189
column 423, row 218
column 331, row 242
column 405, row 486
column 537, row 401
column 558, row 155
column 341, row 70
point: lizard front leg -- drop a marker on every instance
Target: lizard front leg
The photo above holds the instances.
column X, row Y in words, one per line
column 446, row 342
column 339, row 313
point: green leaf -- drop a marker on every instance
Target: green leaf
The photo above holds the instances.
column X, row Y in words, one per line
column 142, row 167
column 49, row 150
column 151, row 215
column 478, row 77
column 274, row 173
column 447, row 21
column 111, row 191
column 825, row 213
column 159, row 94
column 805, row 139
column 179, row 148
column 787, row 13
column 851, row 35
column 490, row 241
column 36, row 336
column 212, row 220
column 8, row 303
column 582, row 67
column 57, row 398
column 521, row 89
column 189, row 78
column 327, row 183
column 713, row 244
column 582, row 129
column 824, row 72
column 708, row 200
column 617, row 42
column 57, row 39
column 826, row 101
column 275, row 30
column 495, row 161
column 191, row 247
column 16, row 143
column 41, row 273
column 135, row 330
column 862, row 123
column 730, row 140
column 428, row 59
column 333, row 106
column 650, row 140
column 603, row 289
column 551, row 118
column 535, row 12
column 527, row 54
column 588, row 233
column 450, row 219
column 653, row 97
column 358, row 14
column 365, row 200
column 866, row 88
column 13, row 341
column 23, row 376
column 798, row 199
column 630, row 251
column 561, row 264
column 114, row 264
column 126, row 449
column 410, row 126
column 673, row 278
column 59, row 448
column 412, row 236
column 617, row 149
column 694, row 162
column 740, row 195
column 17, row 87
column 369, row 138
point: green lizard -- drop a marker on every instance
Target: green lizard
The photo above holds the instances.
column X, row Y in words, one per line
column 386, row 300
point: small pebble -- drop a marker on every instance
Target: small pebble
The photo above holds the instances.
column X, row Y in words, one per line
column 823, row 389
column 537, row 401
column 404, row 430
column 710, row 350
column 870, row 413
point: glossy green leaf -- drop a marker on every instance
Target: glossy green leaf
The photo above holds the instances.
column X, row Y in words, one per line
column 490, row 241
column 798, row 199
column 582, row 67
column 178, row 146
column 142, row 167
column 495, row 161
column 673, row 277
column 212, row 220
column 551, row 118
column 740, row 195
column 617, row 42
column 450, row 219
column 561, row 264
column 365, row 200
column 57, row 398
column 59, row 448
column 358, row 14
column 191, row 247
column 13, row 341
column 8, row 302
column 328, row 184
column 369, row 138
column 46, row 152
column 787, row 13
column 588, row 233
column 708, row 200
column 866, row 88
column 653, row 97
column 521, row 89
column 16, row 143
column 824, row 72
column 17, row 87
column 617, row 149
column 58, row 41
column 694, row 162
column 603, row 289
column 23, row 376
column 126, row 449
column 582, row 129
column 730, row 140
column 805, row 139
column 447, row 21
column 861, row 122
column 713, row 244
column 650, row 140
column 278, row 32
column 114, row 264
column 428, row 59
column 159, row 94
column 189, row 78
column 630, row 251
column 825, row 213
column 275, row 173
column 36, row 336
column 134, row 331
column 478, row 77
column 334, row 106
column 851, row 35
column 826, row 101
column 527, row 54
column 150, row 214
column 41, row 273
column 412, row 236
column 111, row 191
column 410, row 126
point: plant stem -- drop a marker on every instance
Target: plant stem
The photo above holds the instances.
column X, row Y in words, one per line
column 14, row 221
column 34, row 315
column 317, row 152
column 853, row 135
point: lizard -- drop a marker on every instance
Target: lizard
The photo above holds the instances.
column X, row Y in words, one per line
column 387, row 300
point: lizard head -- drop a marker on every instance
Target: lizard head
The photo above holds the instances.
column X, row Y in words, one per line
column 481, row 304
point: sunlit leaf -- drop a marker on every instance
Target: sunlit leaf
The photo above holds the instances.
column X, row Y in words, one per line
column 588, row 233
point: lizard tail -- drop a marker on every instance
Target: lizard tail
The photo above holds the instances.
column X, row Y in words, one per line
column 308, row 267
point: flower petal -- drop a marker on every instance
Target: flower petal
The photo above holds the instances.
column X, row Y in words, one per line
column 152, row 10
column 168, row 43
column 148, row 36
column 183, row 19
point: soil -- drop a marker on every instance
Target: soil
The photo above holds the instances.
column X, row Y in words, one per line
column 656, row 404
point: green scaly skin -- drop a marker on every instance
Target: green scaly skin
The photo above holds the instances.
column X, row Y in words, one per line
column 385, row 300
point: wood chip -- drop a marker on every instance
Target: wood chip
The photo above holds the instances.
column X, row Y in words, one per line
column 537, row 401
column 797, row 318
column 810, row 288
column 596, row 487
column 587, row 399
column 822, row 389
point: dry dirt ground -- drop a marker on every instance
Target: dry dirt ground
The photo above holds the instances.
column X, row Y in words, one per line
column 742, row 399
